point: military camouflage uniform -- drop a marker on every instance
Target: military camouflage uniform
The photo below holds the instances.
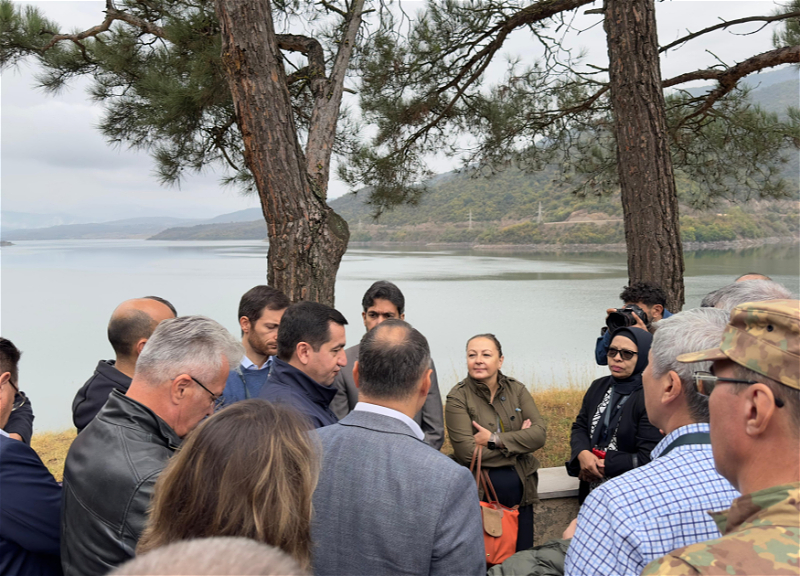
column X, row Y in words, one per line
column 761, row 535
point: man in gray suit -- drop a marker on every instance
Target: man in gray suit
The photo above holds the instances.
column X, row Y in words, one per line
column 384, row 301
column 387, row 503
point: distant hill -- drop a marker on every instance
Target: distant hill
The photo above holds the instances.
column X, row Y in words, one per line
column 255, row 230
column 128, row 228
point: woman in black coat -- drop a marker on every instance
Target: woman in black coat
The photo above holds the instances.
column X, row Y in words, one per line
column 612, row 433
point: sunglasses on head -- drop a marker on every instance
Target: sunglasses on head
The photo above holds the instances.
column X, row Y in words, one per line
column 625, row 354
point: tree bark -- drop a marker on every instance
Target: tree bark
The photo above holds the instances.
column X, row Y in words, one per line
column 647, row 182
column 306, row 237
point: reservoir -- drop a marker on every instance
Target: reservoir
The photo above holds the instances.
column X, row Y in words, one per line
column 546, row 309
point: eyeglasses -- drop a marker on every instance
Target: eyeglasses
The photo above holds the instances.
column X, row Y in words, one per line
column 706, row 381
column 219, row 401
column 16, row 388
column 625, row 354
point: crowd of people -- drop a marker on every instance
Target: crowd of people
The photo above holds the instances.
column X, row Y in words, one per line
column 286, row 452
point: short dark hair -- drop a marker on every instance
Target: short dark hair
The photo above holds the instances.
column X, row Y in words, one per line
column 384, row 290
column 306, row 322
column 164, row 301
column 645, row 293
column 259, row 297
column 125, row 331
column 491, row 337
column 9, row 358
column 390, row 368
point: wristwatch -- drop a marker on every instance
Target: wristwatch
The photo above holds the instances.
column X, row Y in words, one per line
column 491, row 443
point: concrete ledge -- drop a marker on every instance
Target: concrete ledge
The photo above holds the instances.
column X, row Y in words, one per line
column 556, row 483
column 557, row 506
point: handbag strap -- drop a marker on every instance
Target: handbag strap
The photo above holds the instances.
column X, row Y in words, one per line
column 482, row 479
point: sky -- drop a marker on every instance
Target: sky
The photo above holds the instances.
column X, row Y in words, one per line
column 54, row 160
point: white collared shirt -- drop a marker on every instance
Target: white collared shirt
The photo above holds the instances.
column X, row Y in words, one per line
column 250, row 365
column 383, row 410
column 3, row 433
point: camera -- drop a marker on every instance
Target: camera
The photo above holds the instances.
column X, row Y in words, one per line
column 622, row 317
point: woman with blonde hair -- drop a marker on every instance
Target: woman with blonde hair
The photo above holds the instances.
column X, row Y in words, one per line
column 249, row 470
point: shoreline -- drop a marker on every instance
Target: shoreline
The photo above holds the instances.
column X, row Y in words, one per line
column 577, row 248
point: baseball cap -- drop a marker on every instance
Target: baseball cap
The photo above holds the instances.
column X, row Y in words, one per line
column 761, row 336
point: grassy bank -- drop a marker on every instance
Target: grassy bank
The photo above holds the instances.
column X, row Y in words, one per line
column 558, row 408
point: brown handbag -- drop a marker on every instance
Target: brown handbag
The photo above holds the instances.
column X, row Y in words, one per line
column 500, row 523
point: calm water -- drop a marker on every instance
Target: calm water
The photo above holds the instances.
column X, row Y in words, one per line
column 545, row 309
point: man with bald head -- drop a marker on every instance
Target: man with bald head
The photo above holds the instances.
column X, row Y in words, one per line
column 131, row 324
column 386, row 502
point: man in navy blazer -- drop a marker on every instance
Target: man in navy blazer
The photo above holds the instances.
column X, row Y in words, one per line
column 386, row 502
column 31, row 498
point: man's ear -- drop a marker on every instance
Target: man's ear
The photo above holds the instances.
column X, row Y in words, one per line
column 303, row 352
column 140, row 346
column 658, row 308
column 179, row 387
column 244, row 324
column 426, row 384
column 760, row 409
column 673, row 388
column 355, row 373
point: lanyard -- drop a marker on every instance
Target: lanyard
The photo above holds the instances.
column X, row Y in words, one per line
column 691, row 438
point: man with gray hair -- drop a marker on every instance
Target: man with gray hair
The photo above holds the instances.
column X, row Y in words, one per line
column 386, row 502
column 112, row 466
column 740, row 292
column 643, row 514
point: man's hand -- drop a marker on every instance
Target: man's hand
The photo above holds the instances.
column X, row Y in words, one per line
column 526, row 424
column 589, row 467
column 482, row 436
column 638, row 324
column 570, row 531
column 15, row 436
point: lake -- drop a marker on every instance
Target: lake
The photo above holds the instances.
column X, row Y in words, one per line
column 546, row 309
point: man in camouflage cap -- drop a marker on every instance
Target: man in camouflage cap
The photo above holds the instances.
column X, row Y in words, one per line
column 755, row 437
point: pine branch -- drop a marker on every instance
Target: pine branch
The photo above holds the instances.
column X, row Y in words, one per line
column 112, row 14
column 525, row 17
column 726, row 24
column 728, row 78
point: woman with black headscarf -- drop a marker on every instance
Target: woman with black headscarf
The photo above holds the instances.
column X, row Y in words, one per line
column 612, row 433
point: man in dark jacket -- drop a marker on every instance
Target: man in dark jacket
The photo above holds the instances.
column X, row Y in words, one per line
column 384, row 301
column 311, row 343
column 31, row 498
column 130, row 326
column 112, row 466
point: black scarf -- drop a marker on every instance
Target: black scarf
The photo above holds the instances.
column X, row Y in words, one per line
column 622, row 388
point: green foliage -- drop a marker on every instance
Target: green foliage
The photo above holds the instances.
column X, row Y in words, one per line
column 423, row 91
column 790, row 34
column 157, row 70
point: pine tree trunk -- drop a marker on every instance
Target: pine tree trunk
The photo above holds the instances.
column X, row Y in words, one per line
column 307, row 239
column 647, row 183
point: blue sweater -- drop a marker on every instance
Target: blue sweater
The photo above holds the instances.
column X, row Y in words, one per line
column 244, row 383
column 29, row 515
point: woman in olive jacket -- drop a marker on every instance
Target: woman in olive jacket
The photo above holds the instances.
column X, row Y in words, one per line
column 496, row 412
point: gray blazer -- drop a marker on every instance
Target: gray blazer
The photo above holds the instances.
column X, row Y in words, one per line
column 430, row 418
column 386, row 503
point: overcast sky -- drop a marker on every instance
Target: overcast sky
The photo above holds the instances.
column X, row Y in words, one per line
column 53, row 159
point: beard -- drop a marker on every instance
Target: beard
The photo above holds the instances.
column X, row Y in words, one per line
column 265, row 347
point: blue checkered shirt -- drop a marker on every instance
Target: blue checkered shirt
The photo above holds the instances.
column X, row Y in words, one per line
column 650, row 511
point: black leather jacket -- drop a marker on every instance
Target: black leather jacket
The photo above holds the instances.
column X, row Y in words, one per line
column 110, row 473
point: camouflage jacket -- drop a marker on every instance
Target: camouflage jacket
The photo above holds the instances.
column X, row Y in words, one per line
column 761, row 535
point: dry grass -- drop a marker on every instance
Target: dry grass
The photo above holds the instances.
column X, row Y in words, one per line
column 52, row 448
column 558, row 406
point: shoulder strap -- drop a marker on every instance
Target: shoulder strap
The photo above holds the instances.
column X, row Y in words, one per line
column 691, row 438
